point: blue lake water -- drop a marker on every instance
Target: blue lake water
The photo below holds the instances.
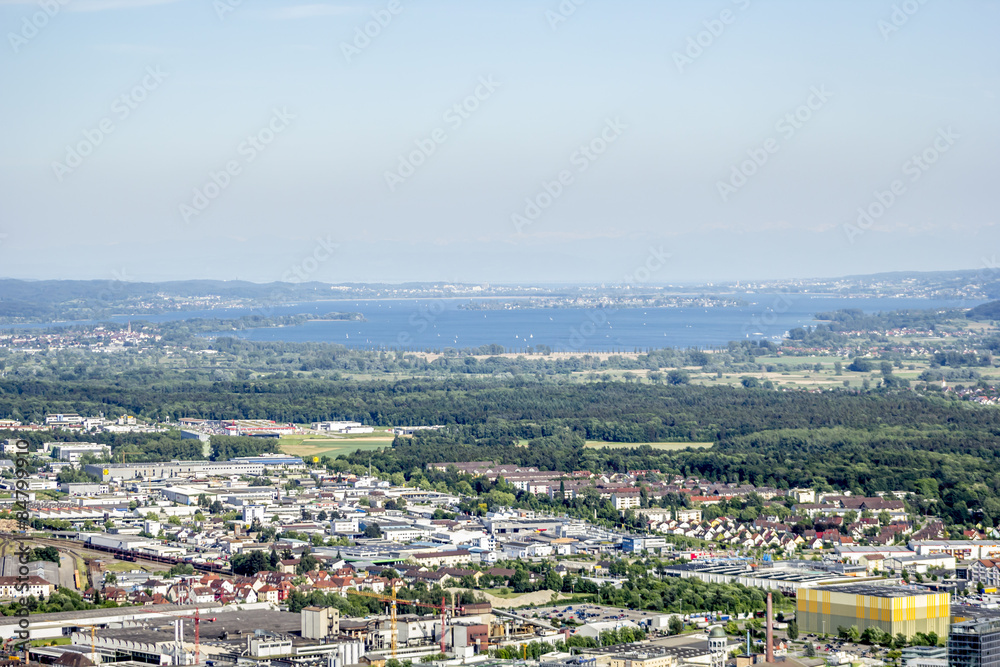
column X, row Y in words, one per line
column 441, row 323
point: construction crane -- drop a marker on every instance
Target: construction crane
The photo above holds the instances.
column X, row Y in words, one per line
column 197, row 632
column 392, row 613
column 443, row 608
column 93, row 643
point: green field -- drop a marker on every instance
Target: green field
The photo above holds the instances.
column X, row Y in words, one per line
column 307, row 446
column 597, row 444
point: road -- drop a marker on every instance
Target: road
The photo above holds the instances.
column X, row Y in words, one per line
column 67, row 566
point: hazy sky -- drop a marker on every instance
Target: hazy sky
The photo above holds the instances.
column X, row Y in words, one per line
column 738, row 137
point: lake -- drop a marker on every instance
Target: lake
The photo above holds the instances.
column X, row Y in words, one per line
column 441, row 323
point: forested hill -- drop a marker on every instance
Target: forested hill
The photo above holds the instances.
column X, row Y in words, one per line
column 944, row 449
column 598, row 411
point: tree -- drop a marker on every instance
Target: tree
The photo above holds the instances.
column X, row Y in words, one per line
column 250, row 564
column 850, row 634
column 553, row 581
column 675, row 625
column 372, row 530
column 793, row 630
column 520, row 581
column 307, row 563
column 810, row 650
column 678, row 377
column 181, row 569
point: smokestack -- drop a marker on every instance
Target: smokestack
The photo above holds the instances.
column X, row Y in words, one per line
column 770, row 631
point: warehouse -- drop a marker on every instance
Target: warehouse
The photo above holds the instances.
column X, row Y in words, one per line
column 894, row 609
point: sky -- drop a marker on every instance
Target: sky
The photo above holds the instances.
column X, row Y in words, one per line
column 501, row 141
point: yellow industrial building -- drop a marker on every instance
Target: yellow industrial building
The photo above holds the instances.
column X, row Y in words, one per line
column 894, row 609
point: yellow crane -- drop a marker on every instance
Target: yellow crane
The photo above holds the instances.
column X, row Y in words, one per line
column 93, row 642
column 392, row 612
column 443, row 609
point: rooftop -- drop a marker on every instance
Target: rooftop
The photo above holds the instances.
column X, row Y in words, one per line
column 877, row 590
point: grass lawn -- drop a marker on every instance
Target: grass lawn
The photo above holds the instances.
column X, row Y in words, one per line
column 122, row 566
column 597, row 444
column 53, row 641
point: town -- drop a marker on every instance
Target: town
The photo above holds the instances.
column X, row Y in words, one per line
column 277, row 559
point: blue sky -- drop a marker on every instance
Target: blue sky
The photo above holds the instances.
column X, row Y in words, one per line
column 312, row 132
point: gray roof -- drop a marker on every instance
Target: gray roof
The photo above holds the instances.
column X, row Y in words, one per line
column 877, row 590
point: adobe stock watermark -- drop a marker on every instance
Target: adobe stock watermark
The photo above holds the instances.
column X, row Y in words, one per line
column 32, row 25
column 121, row 109
column 900, row 16
column 22, row 547
column 786, row 127
column 302, row 270
column 248, row 149
column 758, row 325
column 704, row 39
column 225, row 7
column 363, row 35
column 581, row 160
column 454, row 117
column 562, row 13
column 656, row 259
column 420, row 321
column 914, row 167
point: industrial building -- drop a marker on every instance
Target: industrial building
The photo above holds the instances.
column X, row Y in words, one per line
column 974, row 644
column 924, row 656
column 249, row 466
column 640, row 543
column 781, row 576
column 894, row 609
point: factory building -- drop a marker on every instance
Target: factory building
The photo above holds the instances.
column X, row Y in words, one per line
column 247, row 465
column 894, row 609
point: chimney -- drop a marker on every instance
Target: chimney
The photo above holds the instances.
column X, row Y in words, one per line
column 770, row 631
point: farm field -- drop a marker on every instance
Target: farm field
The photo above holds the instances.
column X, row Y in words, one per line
column 308, row 446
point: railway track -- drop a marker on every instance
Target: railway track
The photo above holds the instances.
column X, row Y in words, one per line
column 121, row 554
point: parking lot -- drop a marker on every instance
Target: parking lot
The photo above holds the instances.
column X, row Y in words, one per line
column 589, row 613
column 832, row 645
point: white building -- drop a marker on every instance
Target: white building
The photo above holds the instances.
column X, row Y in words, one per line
column 84, row 489
column 625, row 501
column 63, row 419
column 72, row 451
column 342, row 427
column 527, row 550
column 253, row 512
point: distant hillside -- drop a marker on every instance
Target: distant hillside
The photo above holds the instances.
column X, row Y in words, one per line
column 986, row 311
column 60, row 300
